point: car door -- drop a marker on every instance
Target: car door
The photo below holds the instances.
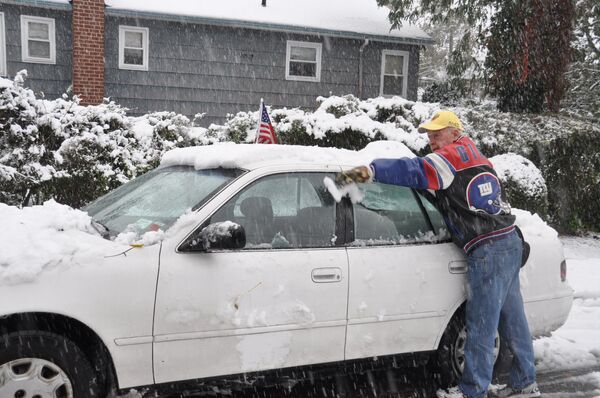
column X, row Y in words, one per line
column 405, row 278
column 280, row 301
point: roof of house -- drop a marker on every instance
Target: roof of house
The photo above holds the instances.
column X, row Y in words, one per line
column 360, row 19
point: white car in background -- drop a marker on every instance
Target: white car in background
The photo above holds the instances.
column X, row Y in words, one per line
column 266, row 271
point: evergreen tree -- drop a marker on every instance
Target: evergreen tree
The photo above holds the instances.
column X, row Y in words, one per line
column 528, row 44
column 583, row 95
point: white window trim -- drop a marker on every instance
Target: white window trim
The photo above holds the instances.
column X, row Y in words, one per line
column 25, row 37
column 145, row 46
column 405, row 54
column 317, row 46
column 3, row 71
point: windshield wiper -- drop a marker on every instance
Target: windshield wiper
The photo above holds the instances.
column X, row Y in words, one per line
column 101, row 228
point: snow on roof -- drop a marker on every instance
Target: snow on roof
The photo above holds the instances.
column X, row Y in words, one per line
column 353, row 17
column 251, row 156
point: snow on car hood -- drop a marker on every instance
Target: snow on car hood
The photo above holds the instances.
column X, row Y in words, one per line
column 42, row 237
column 247, row 156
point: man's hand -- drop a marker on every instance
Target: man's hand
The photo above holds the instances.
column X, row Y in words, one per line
column 357, row 175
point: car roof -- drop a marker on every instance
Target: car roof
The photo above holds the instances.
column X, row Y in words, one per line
column 253, row 156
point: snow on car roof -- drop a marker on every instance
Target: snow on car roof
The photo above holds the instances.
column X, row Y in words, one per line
column 351, row 16
column 251, row 156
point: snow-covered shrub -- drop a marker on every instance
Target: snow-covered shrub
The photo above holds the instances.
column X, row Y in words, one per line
column 523, row 183
column 96, row 153
column 59, row 149
column 238, row 126
column 346, row 122
column 343, row 122
column 27, row 144
column 339, row 106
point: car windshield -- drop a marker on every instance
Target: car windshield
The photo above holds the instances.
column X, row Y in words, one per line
column 158, row 198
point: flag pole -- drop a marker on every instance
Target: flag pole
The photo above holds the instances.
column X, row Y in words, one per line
column 260, row 110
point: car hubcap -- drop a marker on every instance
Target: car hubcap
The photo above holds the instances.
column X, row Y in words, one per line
column 459, row 350
column 33, row 378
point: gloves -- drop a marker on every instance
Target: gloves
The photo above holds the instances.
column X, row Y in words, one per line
column 357, row 175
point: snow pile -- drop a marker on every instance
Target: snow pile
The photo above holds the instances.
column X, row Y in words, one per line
column 533, row 225
column 42, row 237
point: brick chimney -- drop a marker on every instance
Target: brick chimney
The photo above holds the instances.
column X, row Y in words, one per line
column 88, row 50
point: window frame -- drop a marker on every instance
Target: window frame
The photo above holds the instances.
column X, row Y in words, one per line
column 3, row 70
column 145, row 46
column 25, row 57
column 340, row 211
column 318, row 60
column 384, row 54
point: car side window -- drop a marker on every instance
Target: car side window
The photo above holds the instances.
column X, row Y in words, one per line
column 436, row 218
column 388, row 215
column 292, row 210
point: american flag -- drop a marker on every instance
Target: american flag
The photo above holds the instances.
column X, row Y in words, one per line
column 265, row 133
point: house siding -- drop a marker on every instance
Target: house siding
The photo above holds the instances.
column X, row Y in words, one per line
column 199, row 68
column 50, row 79
column 196, row 68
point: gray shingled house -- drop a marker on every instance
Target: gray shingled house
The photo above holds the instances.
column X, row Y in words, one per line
column 215, row 57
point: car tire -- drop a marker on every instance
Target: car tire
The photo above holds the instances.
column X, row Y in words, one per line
column 448, row 361
column 36, row 364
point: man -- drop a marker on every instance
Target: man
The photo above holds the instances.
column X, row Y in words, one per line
column 465, row 188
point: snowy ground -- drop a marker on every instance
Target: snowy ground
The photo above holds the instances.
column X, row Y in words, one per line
column 577, row 342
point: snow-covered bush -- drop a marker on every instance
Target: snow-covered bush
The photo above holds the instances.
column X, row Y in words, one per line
column 523, row 183
column 27, row 144
column 97, row 153
column 59, row 149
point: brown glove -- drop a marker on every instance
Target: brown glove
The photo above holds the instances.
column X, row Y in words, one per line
column 357, row 175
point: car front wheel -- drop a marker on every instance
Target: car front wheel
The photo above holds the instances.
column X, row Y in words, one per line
column 35, row 364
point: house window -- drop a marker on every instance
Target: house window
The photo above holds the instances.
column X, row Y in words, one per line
column 394, row 73
column 38, row 43
column 133, row 48
column 3, row 71
column 303, row 61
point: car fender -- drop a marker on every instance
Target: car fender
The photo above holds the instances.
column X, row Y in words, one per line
column 111, row 293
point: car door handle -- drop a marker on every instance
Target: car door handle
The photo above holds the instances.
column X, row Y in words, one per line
column 457, row 267
column 326, row 275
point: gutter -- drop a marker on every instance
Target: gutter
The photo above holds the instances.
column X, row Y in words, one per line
column 119, row 12
column 41, row 4
column 360, row 68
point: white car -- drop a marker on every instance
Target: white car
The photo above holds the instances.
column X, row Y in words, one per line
column 259, row 269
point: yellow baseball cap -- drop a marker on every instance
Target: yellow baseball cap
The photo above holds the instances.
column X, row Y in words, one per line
column 441, row 120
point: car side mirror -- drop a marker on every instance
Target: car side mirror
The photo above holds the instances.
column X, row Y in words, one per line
column 217, row 236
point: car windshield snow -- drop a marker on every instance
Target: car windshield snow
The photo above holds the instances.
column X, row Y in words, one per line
column 158, row 198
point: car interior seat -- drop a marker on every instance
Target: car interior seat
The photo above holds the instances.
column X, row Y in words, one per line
column 258, row 219
column 368, row 224
column 315, row 226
